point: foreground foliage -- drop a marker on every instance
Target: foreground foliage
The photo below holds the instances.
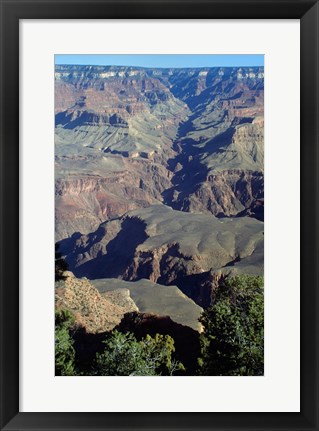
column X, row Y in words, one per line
column 125, row 356
column 60, row 264
column 233, row 339
column 64, row 350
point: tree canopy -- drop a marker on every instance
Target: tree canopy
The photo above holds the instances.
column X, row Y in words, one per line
column 125, row 356
column 233, row 339
column 64, row 350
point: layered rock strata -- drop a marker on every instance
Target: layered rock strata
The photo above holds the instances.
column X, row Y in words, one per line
column 128, row 137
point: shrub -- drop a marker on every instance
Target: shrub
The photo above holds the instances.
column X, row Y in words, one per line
column 125, row 356
column 64, row 350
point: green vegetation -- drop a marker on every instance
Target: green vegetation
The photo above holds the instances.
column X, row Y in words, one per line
column 125, row 356
column 233, row 338
column 60, row 264
column 64, row 350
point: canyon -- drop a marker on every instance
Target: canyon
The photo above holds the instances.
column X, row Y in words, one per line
column 159, row 185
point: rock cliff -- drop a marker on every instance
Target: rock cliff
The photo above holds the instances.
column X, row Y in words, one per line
column 92, row 311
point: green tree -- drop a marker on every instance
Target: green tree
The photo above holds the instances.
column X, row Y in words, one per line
column 64, row 350
column 159, row 352
column 60, row 264
column 232, row 342
column 125, row 356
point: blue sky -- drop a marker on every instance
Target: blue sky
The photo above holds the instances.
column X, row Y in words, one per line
column 163, row 60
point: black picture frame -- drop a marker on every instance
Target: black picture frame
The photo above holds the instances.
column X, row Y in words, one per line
column 14, row 10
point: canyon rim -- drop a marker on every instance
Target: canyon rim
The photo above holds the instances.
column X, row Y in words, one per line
column 159, row 218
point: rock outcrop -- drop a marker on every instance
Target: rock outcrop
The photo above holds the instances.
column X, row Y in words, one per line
column 153, row 298
column 91, row 310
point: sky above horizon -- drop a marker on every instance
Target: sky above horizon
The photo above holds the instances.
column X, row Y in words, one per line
column 163, row 60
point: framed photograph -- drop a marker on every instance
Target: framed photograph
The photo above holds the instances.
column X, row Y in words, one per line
column 158, row 215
